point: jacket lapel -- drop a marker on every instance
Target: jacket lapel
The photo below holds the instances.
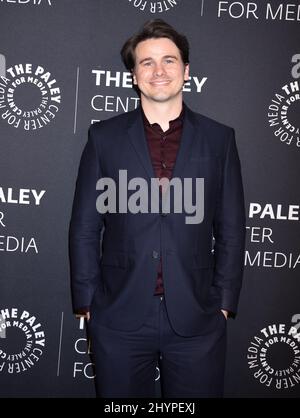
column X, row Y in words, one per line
column 137, row 137
column 186, row 143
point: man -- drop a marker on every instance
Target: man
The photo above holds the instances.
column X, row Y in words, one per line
column 160, row 292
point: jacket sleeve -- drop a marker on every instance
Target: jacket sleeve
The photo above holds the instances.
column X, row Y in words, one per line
column 229, row 230
column 85, row 228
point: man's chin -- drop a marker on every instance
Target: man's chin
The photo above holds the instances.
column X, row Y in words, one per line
column 160, row 98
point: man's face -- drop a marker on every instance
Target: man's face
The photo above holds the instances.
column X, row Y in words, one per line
column 159, row 71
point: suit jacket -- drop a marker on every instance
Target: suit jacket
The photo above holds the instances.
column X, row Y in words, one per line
column 116, row 275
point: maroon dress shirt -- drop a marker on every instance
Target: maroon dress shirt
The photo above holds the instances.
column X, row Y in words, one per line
column 163, row 148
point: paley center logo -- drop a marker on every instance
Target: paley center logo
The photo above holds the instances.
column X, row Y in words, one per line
column 114, row 197
column 283, row 112
column 274, row 355
column 29, row 95
column 22, row 340
column 154, row 6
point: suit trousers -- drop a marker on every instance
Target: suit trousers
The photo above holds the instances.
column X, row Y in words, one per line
column 126, row 361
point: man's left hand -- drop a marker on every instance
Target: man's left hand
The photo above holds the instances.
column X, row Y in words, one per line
column 225, row 313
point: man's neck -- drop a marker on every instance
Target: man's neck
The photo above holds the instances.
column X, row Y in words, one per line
column 161, row 113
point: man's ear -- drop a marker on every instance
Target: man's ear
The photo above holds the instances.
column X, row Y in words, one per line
column 186, row 72
column 133, row 77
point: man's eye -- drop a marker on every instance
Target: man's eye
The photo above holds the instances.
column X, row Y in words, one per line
column 169, row 61
column 147, row 64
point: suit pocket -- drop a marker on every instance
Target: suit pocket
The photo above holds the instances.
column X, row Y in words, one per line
column 114, row 260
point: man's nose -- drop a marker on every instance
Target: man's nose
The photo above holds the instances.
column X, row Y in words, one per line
column 159, row 70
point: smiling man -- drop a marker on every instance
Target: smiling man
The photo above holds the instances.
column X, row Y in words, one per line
column 160, row 73
column 155, row 289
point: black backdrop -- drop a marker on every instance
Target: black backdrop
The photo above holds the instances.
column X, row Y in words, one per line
column 60, row 71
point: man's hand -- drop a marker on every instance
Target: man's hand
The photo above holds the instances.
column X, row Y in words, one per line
column 83, row 315
column 225, row 313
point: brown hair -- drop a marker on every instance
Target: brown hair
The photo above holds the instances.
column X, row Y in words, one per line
column 156, row 28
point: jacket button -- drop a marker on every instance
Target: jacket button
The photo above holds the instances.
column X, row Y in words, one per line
column 155, row 254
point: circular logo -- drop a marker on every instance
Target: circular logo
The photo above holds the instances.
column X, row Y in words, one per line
column 273, row 356
column 29, row 97
column 22, row 341
column 154, row 6
column 283, row 114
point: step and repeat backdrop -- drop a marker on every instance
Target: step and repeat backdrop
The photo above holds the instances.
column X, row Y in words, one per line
column 60, row 71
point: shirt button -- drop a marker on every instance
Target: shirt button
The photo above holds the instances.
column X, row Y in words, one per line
column 155, row 254
column 164, row 164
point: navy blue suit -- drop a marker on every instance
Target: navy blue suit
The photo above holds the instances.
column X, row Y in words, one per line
column 198, row 282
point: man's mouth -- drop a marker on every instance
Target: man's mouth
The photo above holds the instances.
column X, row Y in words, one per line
column 160, row 82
